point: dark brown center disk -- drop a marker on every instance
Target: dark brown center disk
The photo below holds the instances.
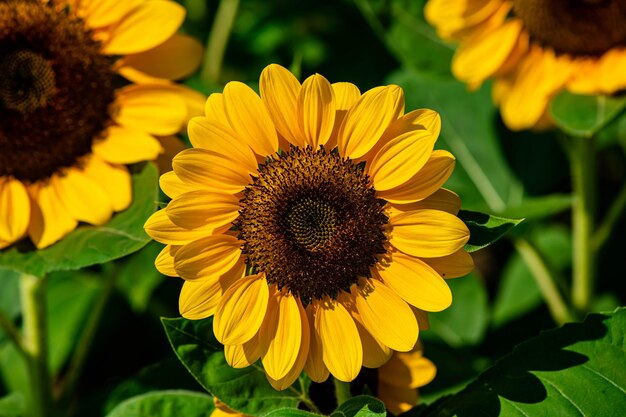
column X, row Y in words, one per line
column 576, row 27
column 311, row 221
column 56, row 90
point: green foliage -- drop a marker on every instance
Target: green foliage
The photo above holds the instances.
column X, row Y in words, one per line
column 166, row 404
column 585, row 115
column 574, row 370
column 485, row 229
column 361, row 406
column 137, row 278
column 12, row 405
column 245, row 390
column 89, row 245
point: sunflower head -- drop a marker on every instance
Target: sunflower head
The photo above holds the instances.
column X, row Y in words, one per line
column 310, row 221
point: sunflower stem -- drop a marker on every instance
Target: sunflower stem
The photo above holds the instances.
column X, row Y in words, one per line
column 6, row 324
column 342, row 391
column 583, row 184
column 35, row 343
column 217, row 41
column 603, row 232
column 81, row 352
column 545, row 279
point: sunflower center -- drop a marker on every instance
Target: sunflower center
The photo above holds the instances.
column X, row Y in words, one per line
column 311, row 221
column 576, row 27
column 56, row 90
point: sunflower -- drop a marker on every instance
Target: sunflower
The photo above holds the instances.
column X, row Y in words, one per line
column 72, row 117
column 534, row 49
column 400, row 377
column 311, row 224
column 222, row 410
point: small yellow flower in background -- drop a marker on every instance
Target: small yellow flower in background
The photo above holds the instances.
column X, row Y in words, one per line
column 399, row 379
column 535, row 49
column 221, row 410
column 70, row 122
column 312, row 224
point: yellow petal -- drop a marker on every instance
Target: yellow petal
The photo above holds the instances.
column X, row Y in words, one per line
column 241, row 311
column 422, row 318
column 100, row 13
column 459, row 264
column 15, row 209
column 164, row 261
column 296, row 369
column 242, row 356
column 314, row 365
column 385, row 315
column 114, row 179
column 172, row 186
column 83, row 198
column 480, row 57
column 428, row 233
column 203, row 208
column 209, row 256
column 316, row 110
column 407, row 370
column 249, row 118
column 212, row 135
column 162, row 229
column 50, row 220
column 400, row 159
column 209, row 169
column 416, row 282
column 199, row 299
column 280, row 335
column 397, row 400
column 279, row 91
column 425, row 182
column 375, row 353
column 151, row 108
column 367, row 120
column 346, row 95
column 420, row 119
column 146, row 26
column 341, row 346
column 215, row 111
column 125, row 145
column 442, row 199
column 177, row 57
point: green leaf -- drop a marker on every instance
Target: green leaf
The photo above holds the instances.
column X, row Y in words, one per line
column 361, row 406
column 245, row 390
column 166, row 404
column 485, row 229
column 584, row 116
column 12, row 405
column 90, row 245
column 10, row 293
column 290, row 412
column 575, row 370
column 466, row 320
column 136, row 281
column 535, row 208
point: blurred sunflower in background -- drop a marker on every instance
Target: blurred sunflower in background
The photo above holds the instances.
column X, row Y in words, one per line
column 311, row 223
column 85, row 88
column 401, row 376
column 535, row 49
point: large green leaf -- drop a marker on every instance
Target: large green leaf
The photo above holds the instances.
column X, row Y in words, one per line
column 245, row 390
column 585, row 115
column 576, row 370
column 361, row 406
column 290, row 412
column 166, row 404
column 485, row 229
column 136, row 280
column 89, row 245
column 12, row 405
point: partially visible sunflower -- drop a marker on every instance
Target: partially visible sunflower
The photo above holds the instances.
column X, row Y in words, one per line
column 70, row 121
column 311, row 223
column 222, row 410
column 399, row 379
column 535, row 49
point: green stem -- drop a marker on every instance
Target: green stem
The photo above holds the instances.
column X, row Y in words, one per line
column 583, row 184
column 342, row 391
column 218, row 38
column 603, row 233
column 81, row 352
column 11, row 332
column 545, row 279
column 33, row 298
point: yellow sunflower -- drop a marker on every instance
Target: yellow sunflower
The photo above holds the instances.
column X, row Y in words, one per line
column 399, row 379
column 70, row 121
column 311, row 223
column 535, row 49
column 222, row 410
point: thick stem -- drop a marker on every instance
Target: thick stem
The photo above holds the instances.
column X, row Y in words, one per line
column 545, row 281
column 218, row 39
column 33, row 298
column 583, row 184
column 342, row 391
column 81, row 352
